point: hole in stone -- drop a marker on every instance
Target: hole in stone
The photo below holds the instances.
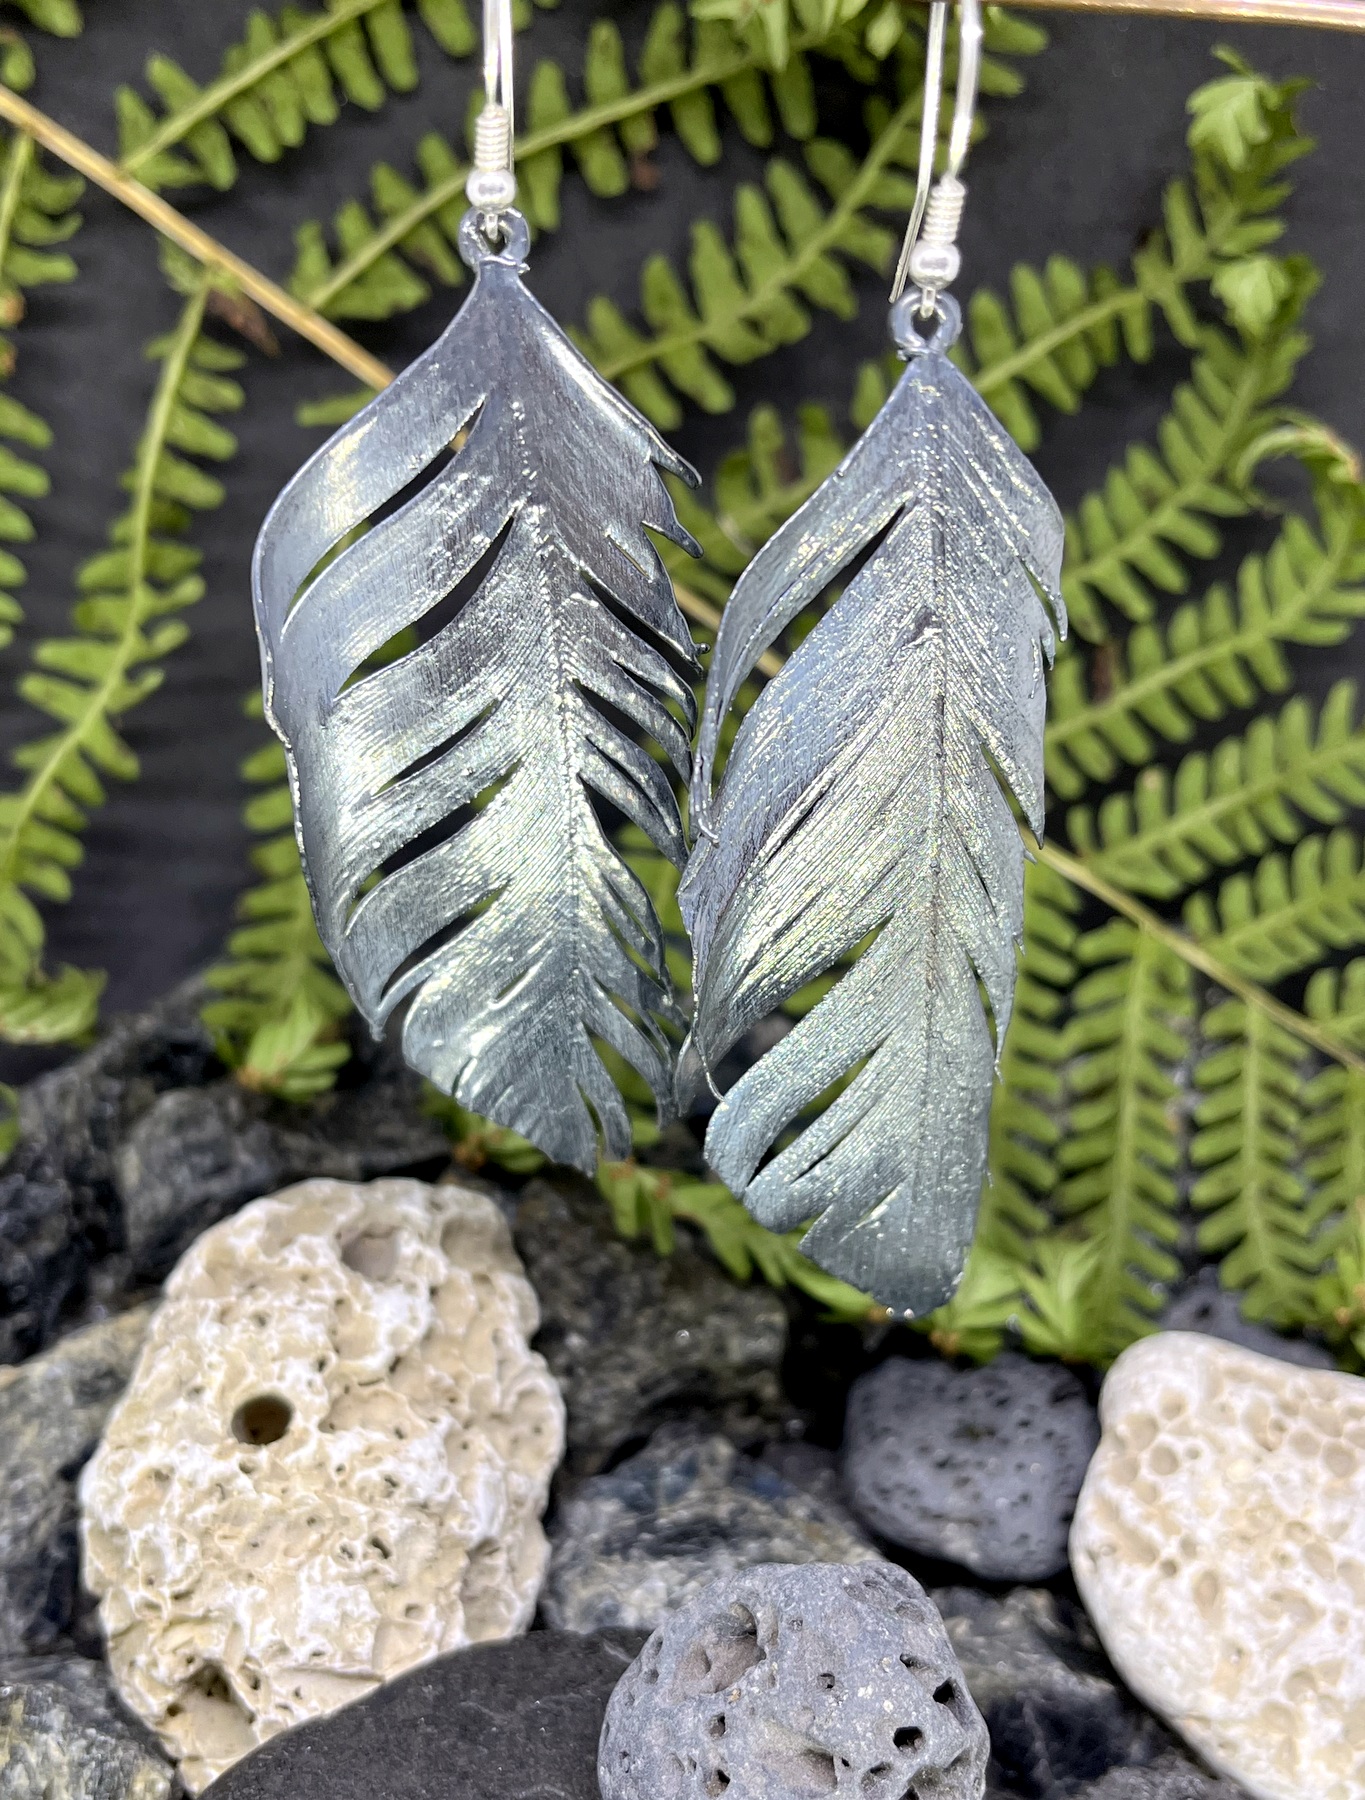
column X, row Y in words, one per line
column 826, row 1681
column 874, row 1775
column 907, row 1736
column 717, row 1726
column 263, row 1419
column 808, row 1771
column 373, row 1254
column 723, row 1652
column 717, row 1782
column 945, row 1693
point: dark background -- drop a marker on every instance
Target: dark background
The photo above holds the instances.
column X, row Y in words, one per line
column 1076, row 165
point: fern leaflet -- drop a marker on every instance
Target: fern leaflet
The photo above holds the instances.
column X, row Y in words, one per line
column 1231, row 802
column 1247, row 1144
column 1120, row 540
column 1129, row 1033
column 289, row 72
column 1290, row 912
column 277, row 1024
column 1211, row 655
column 745, row 303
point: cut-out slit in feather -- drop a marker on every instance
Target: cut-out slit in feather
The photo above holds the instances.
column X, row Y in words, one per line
column 866, row 793
column 469, row 771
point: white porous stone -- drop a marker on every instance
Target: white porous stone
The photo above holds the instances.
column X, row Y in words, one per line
column 330, row 1463
column 1219, row 1546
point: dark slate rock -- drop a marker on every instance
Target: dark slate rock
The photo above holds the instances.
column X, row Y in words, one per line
column 517, row 1720
column 1206, row 1305
column 65, row 1736
column 59, row 1211
column 978, row 1466
column 787, row 1681
column 631, row 1546
column 1057, row 1713
column 132, row 1149
column 1168, row 1778
column 634, row 1338
column 52, row 1410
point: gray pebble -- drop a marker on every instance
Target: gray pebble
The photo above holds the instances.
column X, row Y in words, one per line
column 52, row 1410
column 978, row 1466
column 1169, row 1778
column 64, row 1736
column 1205, row 1305
column 786, row 1681
column 631, row 1546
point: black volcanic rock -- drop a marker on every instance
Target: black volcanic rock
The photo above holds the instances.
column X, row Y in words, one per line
column 517, row 1720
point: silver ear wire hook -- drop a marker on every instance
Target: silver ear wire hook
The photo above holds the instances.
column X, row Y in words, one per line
column 929, row 256
column 492, row 184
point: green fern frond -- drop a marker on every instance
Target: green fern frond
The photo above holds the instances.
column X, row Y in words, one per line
column 1212, row 655
column 646, row 1201
column 1025, row 1127
column 1064, row 324
column 789, row 254
column 1290, row 912
column 1247, row 1142
column 35, row 213
column 1060, row 1317
column 277, row 1025
column 390, row 247
column 1129, row 1034
column 86, row 682
column 1123, row 539
column 1339, row 1292
column 1229, row 803
column 61, row 18
column 974, row 1322
column 1334, row 1139
column 291, row 71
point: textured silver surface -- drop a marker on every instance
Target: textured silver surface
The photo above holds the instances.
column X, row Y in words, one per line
column 519, row 935
column 862, row 799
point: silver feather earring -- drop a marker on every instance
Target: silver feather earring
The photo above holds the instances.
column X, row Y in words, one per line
column 865, row 798
column 446, row 798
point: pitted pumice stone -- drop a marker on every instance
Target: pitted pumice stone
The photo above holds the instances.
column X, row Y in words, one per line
column 792, row 1680
column 330, row 1463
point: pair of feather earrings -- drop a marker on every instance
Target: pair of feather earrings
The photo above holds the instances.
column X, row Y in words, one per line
column 496, row 498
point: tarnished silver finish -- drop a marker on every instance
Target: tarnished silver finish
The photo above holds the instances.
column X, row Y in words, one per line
column 863, row 798
column 462, row 774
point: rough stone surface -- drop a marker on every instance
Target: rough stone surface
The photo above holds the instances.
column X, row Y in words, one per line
column 1207, row 1306
column 634, row 1338
column 787, row 1681
column 52, row 1410
column 115, row 1172
column 633, row 1545
column 329, row 1465
column 1219, row 1546
column 980, row 1466
column 64, row 1736
column 1057, row 1715
column 1169, row 1778
column 511, row 1721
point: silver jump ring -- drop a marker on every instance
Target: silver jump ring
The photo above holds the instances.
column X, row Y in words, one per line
column 475, row 248
column 904, row 330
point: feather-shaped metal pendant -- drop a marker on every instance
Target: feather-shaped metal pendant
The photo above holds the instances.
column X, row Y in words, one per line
column 445, row 800
column 863, row 799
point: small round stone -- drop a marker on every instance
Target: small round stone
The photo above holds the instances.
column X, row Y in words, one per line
column 491, row 188
column 790, row 1680
column 934, row 265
